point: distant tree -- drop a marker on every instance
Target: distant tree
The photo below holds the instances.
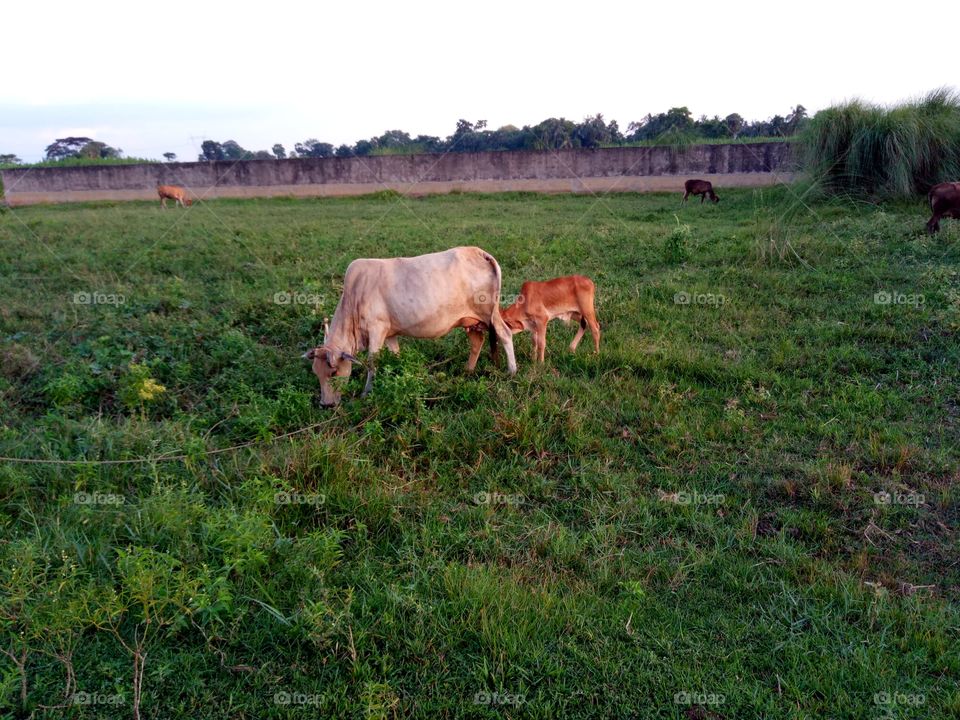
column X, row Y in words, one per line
column 592, row 133
column 778, row 125
column 711, row 128
column 9, row 159
column 170, row 156
column 80, row 147
column 468, row 136
column 393, row 139
column 428, row 143
column 233, row 151
column 63, row 148
column 734, row 123
column 94, row 150
column 676, row 121
column 279, row 151
column 211, row 151
column 796, row 119
column 262, row 155
column 344, row 151
column 553, row 134
column 364, row 147
column 314, row 148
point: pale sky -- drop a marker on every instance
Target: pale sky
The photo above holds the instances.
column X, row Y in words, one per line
column 152, row 77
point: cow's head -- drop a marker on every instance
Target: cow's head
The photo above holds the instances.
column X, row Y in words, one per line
column 714, row 198
column 188, row 201
column 329, row 362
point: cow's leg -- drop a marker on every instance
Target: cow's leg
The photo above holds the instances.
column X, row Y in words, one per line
column 506, row 339
column 703, row 196
column 163, row 203
column 392, row 344
column 933, row 224
column 686, row 194
column 376, row 341
column 476, row 346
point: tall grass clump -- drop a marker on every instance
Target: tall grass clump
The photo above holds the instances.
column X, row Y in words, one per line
column 901, row 151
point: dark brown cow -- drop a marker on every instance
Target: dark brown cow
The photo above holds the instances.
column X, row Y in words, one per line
column 703, row 188
column 944, row 202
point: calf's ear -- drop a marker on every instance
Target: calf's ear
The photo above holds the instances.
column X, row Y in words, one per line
column 309, row 354
column 348, row 356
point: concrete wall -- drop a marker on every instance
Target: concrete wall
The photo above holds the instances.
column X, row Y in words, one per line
column 602, row 170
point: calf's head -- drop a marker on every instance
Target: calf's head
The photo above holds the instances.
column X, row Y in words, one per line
column 329, row 362
column 513, row 316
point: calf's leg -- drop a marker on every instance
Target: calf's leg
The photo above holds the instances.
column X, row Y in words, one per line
column 595, row 331
column 580, row 330
column 476, row 345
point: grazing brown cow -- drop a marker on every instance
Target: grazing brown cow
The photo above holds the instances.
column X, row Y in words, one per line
column 425, row 296
column 565, row 298
column 944, row 202
column 173, row 192
column 703, row 188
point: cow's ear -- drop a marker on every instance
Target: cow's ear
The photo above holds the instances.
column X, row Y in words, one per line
column 348, row 356
column 309, row 354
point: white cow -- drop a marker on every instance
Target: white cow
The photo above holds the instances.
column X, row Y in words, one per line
column 423, row 297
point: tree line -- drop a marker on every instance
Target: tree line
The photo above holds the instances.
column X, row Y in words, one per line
column 676, row 126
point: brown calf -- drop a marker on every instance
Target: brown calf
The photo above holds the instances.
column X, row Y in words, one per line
column 703, row 188
column 173, row 192
column 565, row 298
column 944, row 202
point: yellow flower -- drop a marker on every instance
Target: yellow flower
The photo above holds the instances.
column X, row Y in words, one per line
column 150, row 389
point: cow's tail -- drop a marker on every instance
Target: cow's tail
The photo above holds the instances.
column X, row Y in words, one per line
column 498, row 282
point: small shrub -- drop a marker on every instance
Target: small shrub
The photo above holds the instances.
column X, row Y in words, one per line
column 138, row 389
column 675, row 248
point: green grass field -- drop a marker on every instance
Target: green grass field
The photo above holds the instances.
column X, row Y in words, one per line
column 745, row 507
